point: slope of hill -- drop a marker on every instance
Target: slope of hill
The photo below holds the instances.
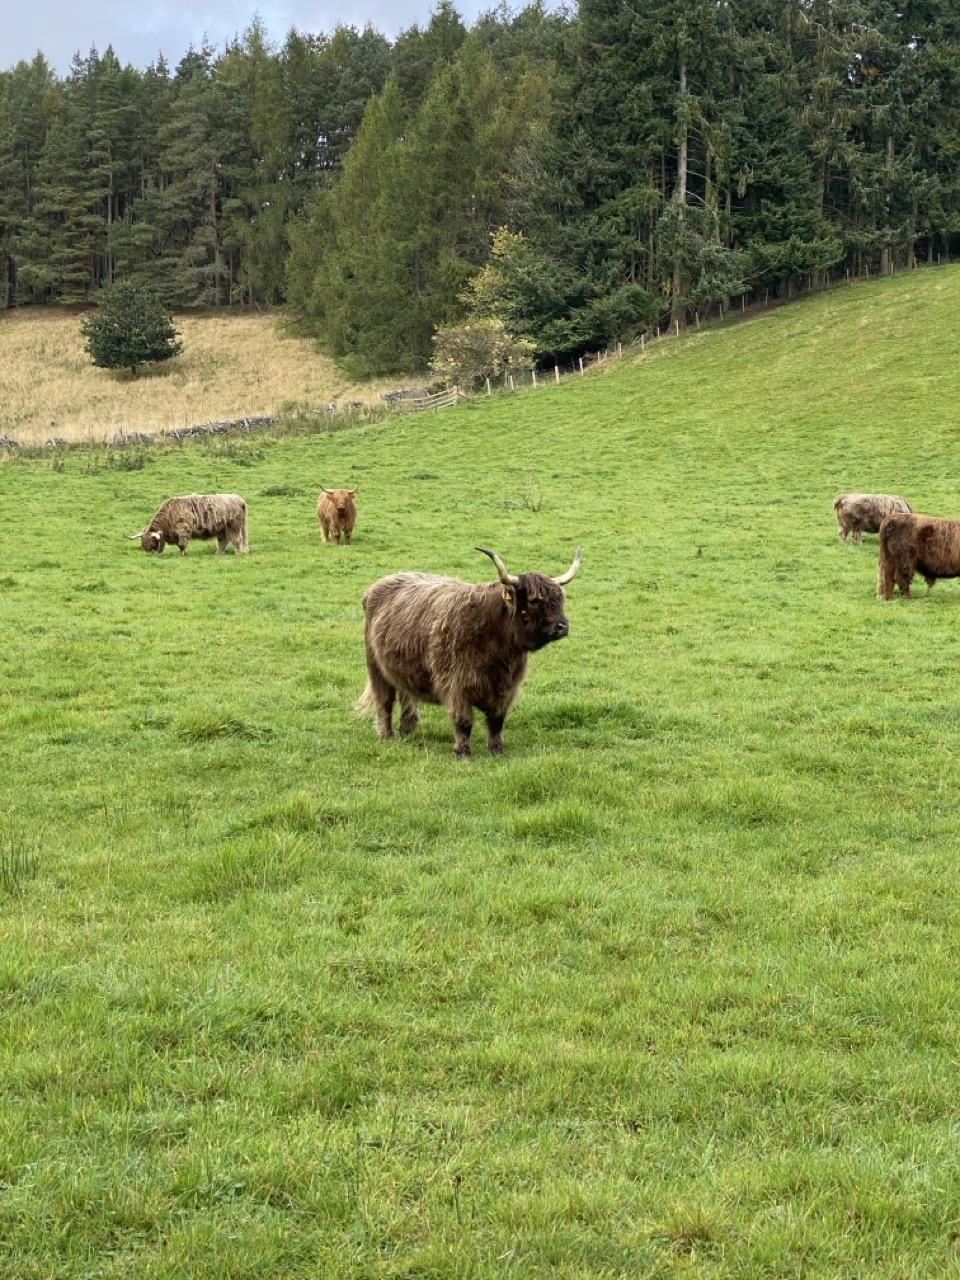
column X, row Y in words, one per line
column 668, row 989
column 233, row 364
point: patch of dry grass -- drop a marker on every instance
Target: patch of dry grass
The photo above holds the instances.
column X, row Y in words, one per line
column 232, row 365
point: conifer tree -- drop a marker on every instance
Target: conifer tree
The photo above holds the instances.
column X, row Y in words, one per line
column 130, row 327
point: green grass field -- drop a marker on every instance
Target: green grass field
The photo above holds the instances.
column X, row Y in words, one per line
column 667, row 990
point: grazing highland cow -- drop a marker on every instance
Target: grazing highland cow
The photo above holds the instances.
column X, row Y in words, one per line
column 860, row 513
column 912, row 544
column 197, row 515
column 463, row 645
column 337, row 513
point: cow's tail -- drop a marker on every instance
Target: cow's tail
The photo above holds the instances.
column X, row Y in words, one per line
column 366, row 702
column 837, row 500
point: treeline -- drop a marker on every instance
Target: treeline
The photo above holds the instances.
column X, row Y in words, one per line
column 569, row 177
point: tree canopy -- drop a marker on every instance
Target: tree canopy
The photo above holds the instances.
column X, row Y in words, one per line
column 130, row 327
column 644, row 162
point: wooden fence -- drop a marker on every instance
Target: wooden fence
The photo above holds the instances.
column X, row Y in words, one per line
column 416, row 404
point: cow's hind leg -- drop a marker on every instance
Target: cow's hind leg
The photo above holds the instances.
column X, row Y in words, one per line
column 885, row 575
column 903, row 574
column 495, row 733
column 409, row 714
column 379, row 693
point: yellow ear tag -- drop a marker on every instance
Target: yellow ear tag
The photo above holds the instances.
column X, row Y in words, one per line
column 508, row 596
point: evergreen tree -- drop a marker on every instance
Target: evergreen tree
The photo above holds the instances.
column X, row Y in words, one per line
column 130, row 327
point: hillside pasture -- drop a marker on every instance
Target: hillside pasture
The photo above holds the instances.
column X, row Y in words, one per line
column 667, row 990
column 234, row 364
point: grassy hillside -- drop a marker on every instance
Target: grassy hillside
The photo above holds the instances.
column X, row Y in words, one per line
column 666, row 990
column 233, row 364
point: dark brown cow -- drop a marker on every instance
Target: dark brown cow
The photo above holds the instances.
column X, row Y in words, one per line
column 197, row 515
column 460, row 644
column 337, row 513
column 912, row 544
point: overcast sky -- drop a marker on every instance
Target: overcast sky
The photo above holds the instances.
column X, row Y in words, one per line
column 139, row 31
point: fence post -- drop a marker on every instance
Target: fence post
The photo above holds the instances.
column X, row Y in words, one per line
column 581, row 366
column 643, row 342
column 512, row 387
column 533, row 374
column 678, row 328
column 620, row 350
column 556, row 373
column 489, row 392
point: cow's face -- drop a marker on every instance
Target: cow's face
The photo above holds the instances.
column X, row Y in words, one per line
column 537, row 604
column 151, row 540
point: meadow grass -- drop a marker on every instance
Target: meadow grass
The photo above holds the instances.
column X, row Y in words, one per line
column 234, row 364
column 664, row 991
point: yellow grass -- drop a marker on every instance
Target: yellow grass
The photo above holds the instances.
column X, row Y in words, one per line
column 232, row 365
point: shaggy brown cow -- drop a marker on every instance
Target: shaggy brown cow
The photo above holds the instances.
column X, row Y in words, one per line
column 912, row 544
column 197, row 515
column 337, row 513
column 860, row 513
column 460, row 644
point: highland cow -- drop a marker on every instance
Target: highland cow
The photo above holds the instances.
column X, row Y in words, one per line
column 860, row 513
column 337, row 513
column 459, row 644
column 912, row 544
column 198, row 515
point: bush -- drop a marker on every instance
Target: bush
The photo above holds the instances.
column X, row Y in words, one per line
column 467, row 353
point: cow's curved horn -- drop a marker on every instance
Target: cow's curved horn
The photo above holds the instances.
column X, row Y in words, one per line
column 133, row 536
column 571, row 572
column 354, row 489
column 508, row 579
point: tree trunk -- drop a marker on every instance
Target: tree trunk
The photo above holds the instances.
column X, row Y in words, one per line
column 676, row 308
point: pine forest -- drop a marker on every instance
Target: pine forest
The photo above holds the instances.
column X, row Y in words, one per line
column 574, row 176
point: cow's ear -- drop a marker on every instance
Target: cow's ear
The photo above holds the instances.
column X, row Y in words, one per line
column 509, row 597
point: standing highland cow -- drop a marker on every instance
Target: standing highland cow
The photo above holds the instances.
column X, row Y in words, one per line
column 912, row 544
column 198, row 515
column 860, row 513
column 337, row 513
column 463, row 645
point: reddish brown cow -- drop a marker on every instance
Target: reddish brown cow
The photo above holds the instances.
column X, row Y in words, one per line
column 337, row 513
column 460, row 644
column 197, row 515
column 912, row 544
column 860, row 513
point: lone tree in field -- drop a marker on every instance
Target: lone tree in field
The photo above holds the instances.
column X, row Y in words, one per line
column 129, row 328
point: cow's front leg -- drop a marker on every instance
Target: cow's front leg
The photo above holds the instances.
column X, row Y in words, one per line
column 182, row 544
column 495, row 733
column 462, row 716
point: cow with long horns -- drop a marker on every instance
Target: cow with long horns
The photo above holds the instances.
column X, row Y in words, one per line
column 337, row 513
column 462, row 645
column 197, row 515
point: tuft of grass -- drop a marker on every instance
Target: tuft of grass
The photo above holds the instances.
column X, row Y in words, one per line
column 19, row 863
